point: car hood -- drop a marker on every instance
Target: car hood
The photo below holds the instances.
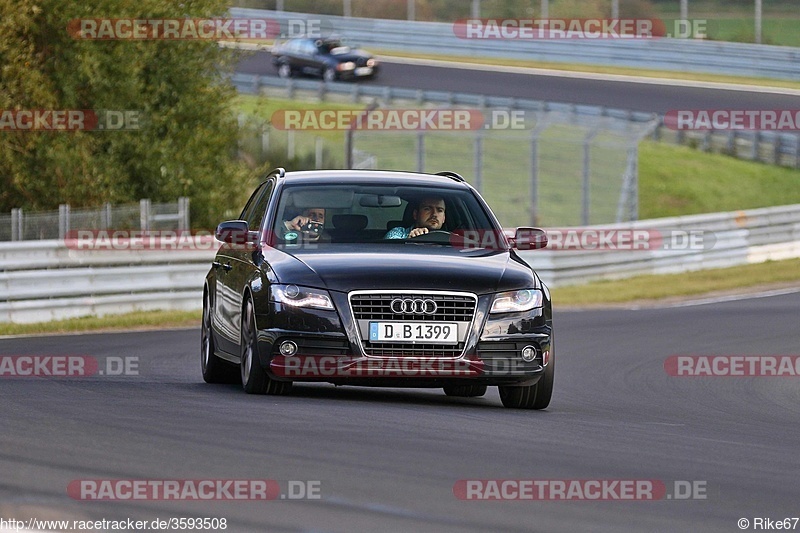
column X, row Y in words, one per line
column 403, row 266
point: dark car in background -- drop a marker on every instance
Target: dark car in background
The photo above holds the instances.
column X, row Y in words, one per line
column 455, row 308
column 329, row 58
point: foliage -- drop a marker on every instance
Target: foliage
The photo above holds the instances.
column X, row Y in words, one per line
column 186, row 141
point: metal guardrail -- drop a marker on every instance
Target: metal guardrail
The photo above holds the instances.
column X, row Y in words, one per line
column 683, row 55
column 740, row 237
column 49, row 280
column 43, row 280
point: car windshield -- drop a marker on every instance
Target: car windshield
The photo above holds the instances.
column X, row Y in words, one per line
column 336, row 213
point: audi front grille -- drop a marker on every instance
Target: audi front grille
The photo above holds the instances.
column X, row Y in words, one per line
column 427, row 307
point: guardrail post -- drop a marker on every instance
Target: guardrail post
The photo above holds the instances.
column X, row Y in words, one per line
column 144, row 214
column 797, row 151
column 730, row 145
column 777, row 146
column 183, row 213
column 16, row 224
column 754, row 152
column 347, row 9
column 63, row 221
column 706, row 147
column 411, row 9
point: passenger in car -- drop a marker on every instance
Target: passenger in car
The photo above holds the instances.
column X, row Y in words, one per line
column 428, row 216
column 309, row 223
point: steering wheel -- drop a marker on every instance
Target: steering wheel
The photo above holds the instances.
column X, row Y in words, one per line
column 437, row 236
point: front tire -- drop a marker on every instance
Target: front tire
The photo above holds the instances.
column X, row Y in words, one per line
column 534, row 396
column 254, row 379
column 214, row 369
column 285, row 71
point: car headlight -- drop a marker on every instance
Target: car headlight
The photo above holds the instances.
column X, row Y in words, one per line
column 349, row 65
column 516, row 301
column 301, row 297
column 372, row 62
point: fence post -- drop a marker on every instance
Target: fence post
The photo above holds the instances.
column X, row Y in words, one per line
column 144, row 214
column 421, row 151
column 535, row 177
column 17, row 232
column 318, row 153
column 264, row 140
column 476, row 9
column 106, row 217
column 478, row 160
column 63, row 221
column 777, row 148
column 290, row 144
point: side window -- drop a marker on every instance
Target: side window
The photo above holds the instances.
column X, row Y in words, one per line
column 256, row 208
column 308, row 48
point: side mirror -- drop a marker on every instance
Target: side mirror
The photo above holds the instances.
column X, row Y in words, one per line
column 529, row 239
column 234, row 232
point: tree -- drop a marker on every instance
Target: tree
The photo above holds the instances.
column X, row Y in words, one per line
column 186, row 144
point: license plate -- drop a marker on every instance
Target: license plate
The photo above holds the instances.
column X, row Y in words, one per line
column 435, row 332
column 363, row 71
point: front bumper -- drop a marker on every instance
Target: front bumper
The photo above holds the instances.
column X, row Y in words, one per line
column 329, row 350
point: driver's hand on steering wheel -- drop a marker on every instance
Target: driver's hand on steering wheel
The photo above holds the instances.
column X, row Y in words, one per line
column 416, row 232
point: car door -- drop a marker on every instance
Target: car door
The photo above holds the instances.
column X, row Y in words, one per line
column 236, row 266
column 311, row 58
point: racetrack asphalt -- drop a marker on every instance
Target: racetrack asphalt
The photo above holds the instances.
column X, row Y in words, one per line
column 653, row 96
column 388, row 459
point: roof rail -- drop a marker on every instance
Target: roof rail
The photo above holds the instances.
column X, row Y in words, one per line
column 280, row 172
column 452, row 175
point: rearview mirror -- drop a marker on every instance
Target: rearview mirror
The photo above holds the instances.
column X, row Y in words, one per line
column 380, row 200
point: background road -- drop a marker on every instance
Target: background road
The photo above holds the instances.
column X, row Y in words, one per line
column 647, row 97
column 388, row 459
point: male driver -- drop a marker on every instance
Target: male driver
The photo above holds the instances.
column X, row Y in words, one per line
column 309, row 222
column 428, row 216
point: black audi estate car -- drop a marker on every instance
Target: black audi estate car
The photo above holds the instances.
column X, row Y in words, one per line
column 328, row 58
column 377, row 278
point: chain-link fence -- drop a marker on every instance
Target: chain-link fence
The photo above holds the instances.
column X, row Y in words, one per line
column 145, row 215
column 564, row 170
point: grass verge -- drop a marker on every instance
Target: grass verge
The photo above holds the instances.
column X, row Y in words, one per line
column 659, row 287
column 129, row 321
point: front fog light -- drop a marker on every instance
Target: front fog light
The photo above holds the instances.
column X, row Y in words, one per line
column 288, row 348
column 528, row 354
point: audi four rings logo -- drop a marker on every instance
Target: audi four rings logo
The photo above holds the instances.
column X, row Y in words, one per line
column 416, row 306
